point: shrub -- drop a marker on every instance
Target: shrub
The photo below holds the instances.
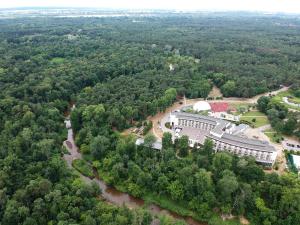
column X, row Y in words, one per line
column 148, row 127
column 168, row 125
column 81, row 166
column 85, row 149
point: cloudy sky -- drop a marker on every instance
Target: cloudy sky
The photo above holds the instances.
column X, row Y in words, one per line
column 291, row 6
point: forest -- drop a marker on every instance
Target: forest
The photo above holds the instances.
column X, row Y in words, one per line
column 117, row 72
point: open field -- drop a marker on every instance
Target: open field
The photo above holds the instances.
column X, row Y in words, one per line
column 257, row 119
column 57, row 60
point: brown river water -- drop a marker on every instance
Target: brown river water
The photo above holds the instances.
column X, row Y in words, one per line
column 110, row 193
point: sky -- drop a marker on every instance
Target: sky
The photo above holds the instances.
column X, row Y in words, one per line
column 288, row 6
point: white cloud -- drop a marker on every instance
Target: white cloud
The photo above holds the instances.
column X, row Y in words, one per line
column 251, row 5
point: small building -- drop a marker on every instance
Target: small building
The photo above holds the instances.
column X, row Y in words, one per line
column 219, row 106
column 219, row 110
column 156, row 145
column 201, row 106
column 296, row 161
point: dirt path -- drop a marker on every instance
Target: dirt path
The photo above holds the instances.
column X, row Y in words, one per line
column 215, row 92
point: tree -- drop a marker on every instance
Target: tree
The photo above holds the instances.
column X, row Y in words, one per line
column 127, row 146
column 226, row 186
column 289, row 205
column 94, row 113
column 183, row 146
column 203, row 182
column 289, row 126
column 75, row 120
column 207, row 149
column 176, row 190
column 229, row 88
column 99, row 146
column 162, row 184
column 297, row 93
column 262, row 104
column 266, row 215
column 167, row 140
column 149, row 140
column 222, row 161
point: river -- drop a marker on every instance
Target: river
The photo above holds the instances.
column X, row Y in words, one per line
column 111, row 194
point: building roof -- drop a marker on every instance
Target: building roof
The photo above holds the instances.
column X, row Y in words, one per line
column 244, row 142
column 201, row 106
column 194, row 134
column 219, row 125
column 219, row 106
column 156, row 145
column 219, row 129
column 296, row 161
column 198, row 117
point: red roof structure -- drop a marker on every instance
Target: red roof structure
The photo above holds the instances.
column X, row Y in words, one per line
column 219, row 106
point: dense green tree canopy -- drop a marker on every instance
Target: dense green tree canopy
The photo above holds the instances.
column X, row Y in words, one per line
column 117, row 73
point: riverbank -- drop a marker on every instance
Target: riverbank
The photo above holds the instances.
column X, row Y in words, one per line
column 109, row 193
column 178, row 210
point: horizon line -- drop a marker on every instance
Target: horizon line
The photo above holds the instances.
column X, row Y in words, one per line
column 150, row 9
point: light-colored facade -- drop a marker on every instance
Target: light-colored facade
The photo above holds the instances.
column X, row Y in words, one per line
column 296, row 161
column 199, row 128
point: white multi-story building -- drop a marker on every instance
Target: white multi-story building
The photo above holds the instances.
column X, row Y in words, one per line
column 198, row 128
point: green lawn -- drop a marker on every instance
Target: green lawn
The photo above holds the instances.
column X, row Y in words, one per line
column 240, row 105
column 274, row 136
column 254, row 113
column 279, row 96
column 260, row 118
column 57, row 60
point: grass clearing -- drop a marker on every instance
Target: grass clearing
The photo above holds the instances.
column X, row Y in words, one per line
column 273, row 135
column 83, row 167
column 255, row 118
column 254, row 113
column 57, row 60
column 239, row 108
column 279, row 96
column 237, row 105
column 167, row 203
